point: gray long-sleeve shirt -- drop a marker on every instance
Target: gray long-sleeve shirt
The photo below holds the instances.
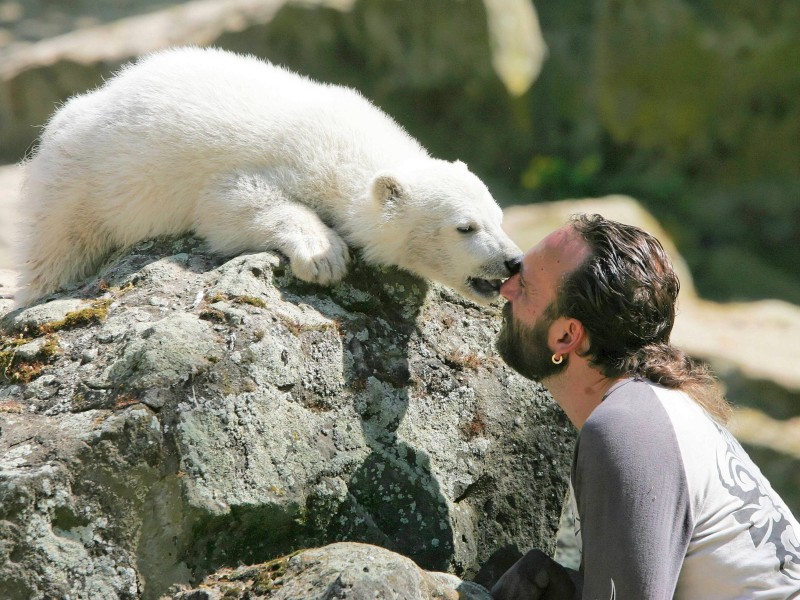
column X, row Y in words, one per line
column 669, row 505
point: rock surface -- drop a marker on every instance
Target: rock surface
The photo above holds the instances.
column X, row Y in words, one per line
column 341, row 570
column 181, row 413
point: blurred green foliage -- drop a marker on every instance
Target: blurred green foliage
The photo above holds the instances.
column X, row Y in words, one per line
column 554, row 176
column 692, row 107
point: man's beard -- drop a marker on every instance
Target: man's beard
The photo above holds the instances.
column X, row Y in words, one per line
column 525, row 349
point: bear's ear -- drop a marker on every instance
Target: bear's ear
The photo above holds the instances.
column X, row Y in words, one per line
column 386, row 188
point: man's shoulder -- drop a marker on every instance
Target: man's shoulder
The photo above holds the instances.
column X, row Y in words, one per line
column 631, row 425
column 630, row 404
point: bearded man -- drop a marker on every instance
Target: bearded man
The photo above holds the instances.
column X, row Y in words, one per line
column 668, row 504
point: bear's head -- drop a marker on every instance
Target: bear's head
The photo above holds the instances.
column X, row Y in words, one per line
column 439, row 220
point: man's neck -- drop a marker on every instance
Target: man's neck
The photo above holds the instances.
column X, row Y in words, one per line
column 579, row 390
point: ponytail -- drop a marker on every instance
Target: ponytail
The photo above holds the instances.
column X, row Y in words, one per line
column 668, row 366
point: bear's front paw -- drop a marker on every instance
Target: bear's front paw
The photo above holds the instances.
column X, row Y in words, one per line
column 321, row 260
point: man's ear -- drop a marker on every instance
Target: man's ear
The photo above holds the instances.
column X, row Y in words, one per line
column 568, row 336
column 386, row 188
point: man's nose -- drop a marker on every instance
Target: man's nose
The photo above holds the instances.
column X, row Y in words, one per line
column 509, row 286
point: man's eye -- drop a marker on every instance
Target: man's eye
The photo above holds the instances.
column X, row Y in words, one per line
column 466, row 229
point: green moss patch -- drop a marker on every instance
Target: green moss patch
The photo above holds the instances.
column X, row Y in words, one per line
column 95, row 313
column 18, row 367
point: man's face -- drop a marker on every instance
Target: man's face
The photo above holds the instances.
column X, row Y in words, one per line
column 525, row 340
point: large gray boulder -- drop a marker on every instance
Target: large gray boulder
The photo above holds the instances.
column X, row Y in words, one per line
column 183, row 413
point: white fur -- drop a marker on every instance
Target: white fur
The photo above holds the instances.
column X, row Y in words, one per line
column 249, row 156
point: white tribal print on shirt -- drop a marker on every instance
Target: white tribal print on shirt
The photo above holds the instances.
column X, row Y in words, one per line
column 669, row 505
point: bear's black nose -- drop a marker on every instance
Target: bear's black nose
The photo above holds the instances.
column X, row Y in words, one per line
column 512, row 264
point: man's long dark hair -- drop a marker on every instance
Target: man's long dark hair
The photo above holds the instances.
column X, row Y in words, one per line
column 625, row 295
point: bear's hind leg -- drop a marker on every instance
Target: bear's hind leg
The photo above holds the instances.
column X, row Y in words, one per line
column 245, row 211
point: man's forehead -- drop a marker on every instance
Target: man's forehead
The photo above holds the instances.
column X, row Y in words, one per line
column 564, row 246
column 559, row 238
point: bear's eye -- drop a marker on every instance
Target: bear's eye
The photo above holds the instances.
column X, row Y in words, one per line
column 466, row 229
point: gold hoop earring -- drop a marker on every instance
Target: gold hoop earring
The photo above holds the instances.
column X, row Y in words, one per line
column 557, row 361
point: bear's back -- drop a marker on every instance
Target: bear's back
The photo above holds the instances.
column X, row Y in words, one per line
column 221, row 104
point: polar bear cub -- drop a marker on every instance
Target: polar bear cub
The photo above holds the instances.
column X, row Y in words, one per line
column 250, row 156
